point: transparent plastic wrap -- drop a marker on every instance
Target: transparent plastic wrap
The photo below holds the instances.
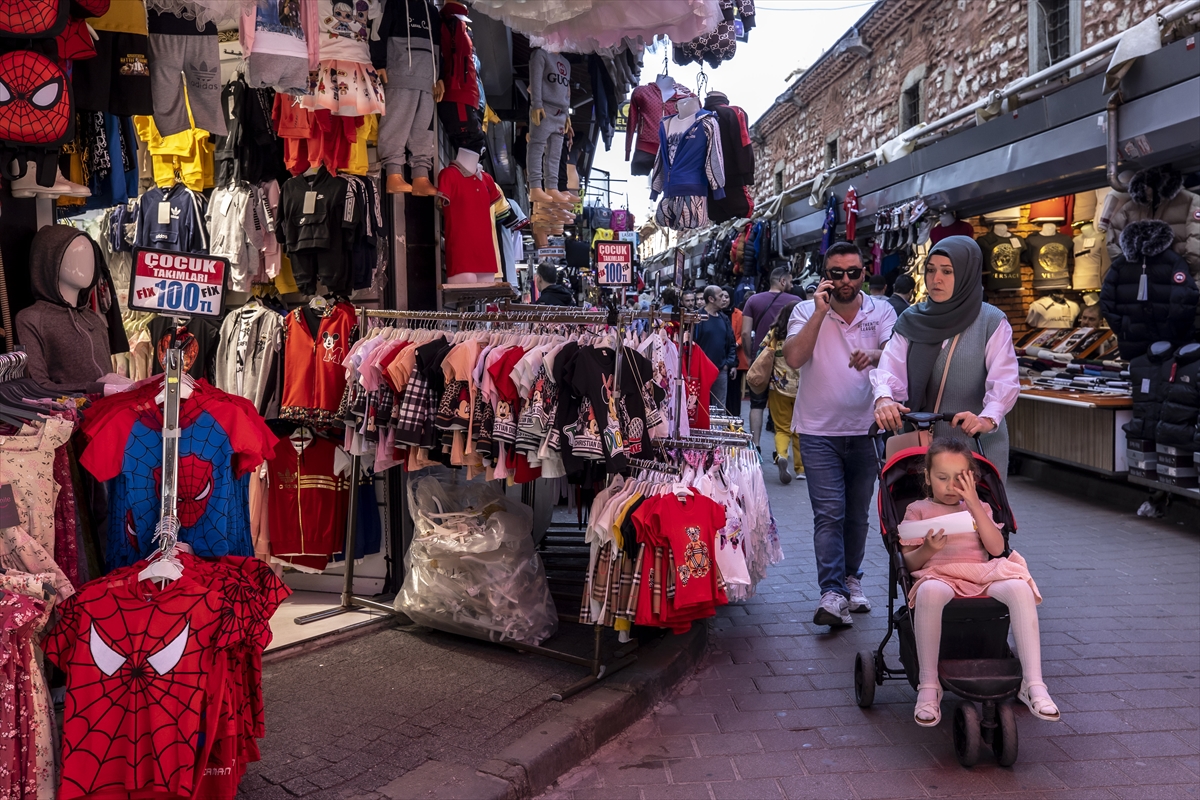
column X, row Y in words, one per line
column 472, row 566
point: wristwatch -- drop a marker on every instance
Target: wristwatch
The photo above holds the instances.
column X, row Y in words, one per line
column 989, row 419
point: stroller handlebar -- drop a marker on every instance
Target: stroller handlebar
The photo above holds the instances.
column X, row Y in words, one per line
column 921, row 420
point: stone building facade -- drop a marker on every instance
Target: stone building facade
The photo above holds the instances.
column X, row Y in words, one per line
column 918, row 60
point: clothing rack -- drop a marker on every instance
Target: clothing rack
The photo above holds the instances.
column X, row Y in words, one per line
column 655, row 466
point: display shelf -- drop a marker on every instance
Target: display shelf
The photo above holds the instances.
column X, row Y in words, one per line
column 455, row 294
column 1194, row 494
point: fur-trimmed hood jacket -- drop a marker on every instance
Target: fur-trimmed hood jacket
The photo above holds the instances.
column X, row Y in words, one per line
column 1155, row 193
column 1167, row 309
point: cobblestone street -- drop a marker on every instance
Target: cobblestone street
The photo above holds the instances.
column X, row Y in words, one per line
column 771, row 713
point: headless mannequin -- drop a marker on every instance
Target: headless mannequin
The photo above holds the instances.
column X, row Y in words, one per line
column 1000, row 229
column 688, row 108
column 666, row 85
column 1049, row 229
column 468, row 162
column 1088, row 231
column 78, row 269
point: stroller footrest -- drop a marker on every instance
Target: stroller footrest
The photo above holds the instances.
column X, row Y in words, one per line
column 981, row 679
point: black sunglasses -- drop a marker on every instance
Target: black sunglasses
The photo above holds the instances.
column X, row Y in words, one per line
column 838, row 274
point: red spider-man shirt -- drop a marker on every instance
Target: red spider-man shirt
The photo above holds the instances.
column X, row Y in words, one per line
column 140, row 661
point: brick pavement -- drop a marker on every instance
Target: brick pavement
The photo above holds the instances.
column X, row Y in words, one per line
column 771, row 712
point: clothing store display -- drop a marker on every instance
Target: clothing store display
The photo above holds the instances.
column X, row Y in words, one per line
column 1155, row 193
column 409, row 49
column 689, row 167
column 959, row 227
column 1002, row 258
column 1090, row 258
column 850, row 207
column 1052, row 311
column 313, row 235
column 316, row 342
column 308, row 497
column 549, row 91
column 737, row 152
column 1149, row 294
column 1051, row 258
column 721, row 44
column 185, row 157
column 1148, row 373
column 184, row 61
column 280, row 41
column 647, row 108
column 1181, row 401
column 117, row 80
column 68, row 345
column 459, row 108
column 196, row 337
column 181, row 227
column 248, row 354
column 829, row 223
column 1086, row 208
column 468, row 216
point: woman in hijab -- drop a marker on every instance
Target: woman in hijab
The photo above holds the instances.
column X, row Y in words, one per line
column 981, row 383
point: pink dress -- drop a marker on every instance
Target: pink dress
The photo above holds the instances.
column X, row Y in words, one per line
column 963, row 564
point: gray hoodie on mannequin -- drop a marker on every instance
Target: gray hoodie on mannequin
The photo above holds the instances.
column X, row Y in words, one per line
column 67, row 346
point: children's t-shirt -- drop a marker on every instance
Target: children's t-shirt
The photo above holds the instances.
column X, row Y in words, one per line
column 470, row 226
column 345, row 26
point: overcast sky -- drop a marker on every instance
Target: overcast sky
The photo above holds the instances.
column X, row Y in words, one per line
column 788, row 34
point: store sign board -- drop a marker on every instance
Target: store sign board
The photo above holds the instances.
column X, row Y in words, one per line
column 186, row 284
column 614, row 263
column 550, row 253
column 628, row 236
column 679, row 265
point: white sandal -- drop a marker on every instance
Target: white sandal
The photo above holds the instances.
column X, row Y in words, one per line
column 1040, row 707
column 930, row 707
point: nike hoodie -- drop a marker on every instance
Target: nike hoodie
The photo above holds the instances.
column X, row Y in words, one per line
column 68, row 346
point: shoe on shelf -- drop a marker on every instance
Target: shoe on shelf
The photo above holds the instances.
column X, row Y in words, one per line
column 858, row 601
column 397, row 185
column 833, row 611
column 423, row 187
column 64, row 187
column 928, row 711
column 785, row 477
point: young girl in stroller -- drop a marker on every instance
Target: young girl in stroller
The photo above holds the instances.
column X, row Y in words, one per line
column 965, row 565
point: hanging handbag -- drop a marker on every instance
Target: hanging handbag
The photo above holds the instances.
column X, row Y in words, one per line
column 620, row 220
column 902, row 441
column 758, row 377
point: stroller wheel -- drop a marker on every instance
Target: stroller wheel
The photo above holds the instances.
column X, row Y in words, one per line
column 1004, row 739
column 864, row 678
column 966, row 733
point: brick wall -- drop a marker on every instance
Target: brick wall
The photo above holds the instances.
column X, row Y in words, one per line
column 966, row 48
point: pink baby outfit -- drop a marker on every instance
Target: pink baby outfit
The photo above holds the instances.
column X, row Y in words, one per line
column 963, row 564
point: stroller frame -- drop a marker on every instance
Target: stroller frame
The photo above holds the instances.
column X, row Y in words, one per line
column 991, row 680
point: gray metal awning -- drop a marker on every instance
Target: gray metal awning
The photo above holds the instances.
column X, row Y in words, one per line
column 1054, row 146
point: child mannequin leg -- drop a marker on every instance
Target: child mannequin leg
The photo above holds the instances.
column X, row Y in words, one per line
column 932, row 596
column 1022, row 612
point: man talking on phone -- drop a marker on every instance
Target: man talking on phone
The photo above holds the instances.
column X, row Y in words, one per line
column 834, row 340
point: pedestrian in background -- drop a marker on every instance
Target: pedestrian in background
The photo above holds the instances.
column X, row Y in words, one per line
column 758, row 315
column 781, row 398
column 902, row 293
column 834, row 339
column 733, row 402
column 714, row 335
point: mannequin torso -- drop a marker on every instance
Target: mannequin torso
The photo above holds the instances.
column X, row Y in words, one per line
column 946, row 219
column 666, row 85
column 688, row 107
column 1049, row 229
column 468, row 161
column 1000, row 229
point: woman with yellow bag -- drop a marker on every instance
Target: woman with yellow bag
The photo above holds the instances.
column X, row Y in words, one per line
column 770, row 371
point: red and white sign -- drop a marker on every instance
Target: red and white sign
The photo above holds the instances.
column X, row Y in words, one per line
column 614, row 263
column 184, row 284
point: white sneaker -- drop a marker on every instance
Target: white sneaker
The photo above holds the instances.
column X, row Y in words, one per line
column 833, row 611
column 858, row 601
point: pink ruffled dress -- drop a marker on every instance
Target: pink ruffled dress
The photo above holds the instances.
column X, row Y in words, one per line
column 964, row 564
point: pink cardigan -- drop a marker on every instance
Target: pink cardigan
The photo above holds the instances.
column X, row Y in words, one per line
column 309, row 22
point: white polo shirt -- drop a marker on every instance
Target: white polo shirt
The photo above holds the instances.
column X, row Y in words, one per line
column 834, row 398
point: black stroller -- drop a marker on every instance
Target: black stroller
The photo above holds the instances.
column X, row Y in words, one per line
column 975, row 662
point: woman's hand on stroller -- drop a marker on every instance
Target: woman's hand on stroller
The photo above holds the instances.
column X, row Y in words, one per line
column 973, row 425
column 888, row 414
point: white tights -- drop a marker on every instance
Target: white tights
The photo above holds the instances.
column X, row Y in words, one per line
column 932, row 596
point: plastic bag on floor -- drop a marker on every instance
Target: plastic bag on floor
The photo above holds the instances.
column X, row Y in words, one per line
column 472, row 566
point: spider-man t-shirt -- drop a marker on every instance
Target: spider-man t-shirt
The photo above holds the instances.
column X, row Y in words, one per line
column 138, row 661
column 222, row 438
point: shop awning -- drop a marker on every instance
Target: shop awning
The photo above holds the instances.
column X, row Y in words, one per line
column 1055, row 145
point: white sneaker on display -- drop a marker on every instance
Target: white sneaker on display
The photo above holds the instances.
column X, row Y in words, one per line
column 858, row 601
column 834, row 611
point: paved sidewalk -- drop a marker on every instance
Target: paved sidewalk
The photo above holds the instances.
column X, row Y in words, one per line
column 771, row 713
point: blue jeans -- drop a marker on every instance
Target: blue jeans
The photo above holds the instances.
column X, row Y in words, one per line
column 841, row 472
column 719, row 390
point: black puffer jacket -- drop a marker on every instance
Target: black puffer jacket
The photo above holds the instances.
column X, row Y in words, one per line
column 1180, row 400
column 1169, row 309
column 1148, row 372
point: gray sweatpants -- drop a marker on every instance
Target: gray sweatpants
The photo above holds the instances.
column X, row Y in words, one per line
column 544, row 155
column 196, row 59
column 408, row 123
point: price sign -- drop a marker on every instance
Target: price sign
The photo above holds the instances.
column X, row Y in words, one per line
column 178, row 283
column 614, row 263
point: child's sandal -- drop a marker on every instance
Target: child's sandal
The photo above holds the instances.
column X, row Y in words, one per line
column 1041, row 707
column 930, row 709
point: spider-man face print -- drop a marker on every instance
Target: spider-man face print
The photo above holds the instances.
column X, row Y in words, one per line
column 35, row 103
column 193, row 488
column 31, row 18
